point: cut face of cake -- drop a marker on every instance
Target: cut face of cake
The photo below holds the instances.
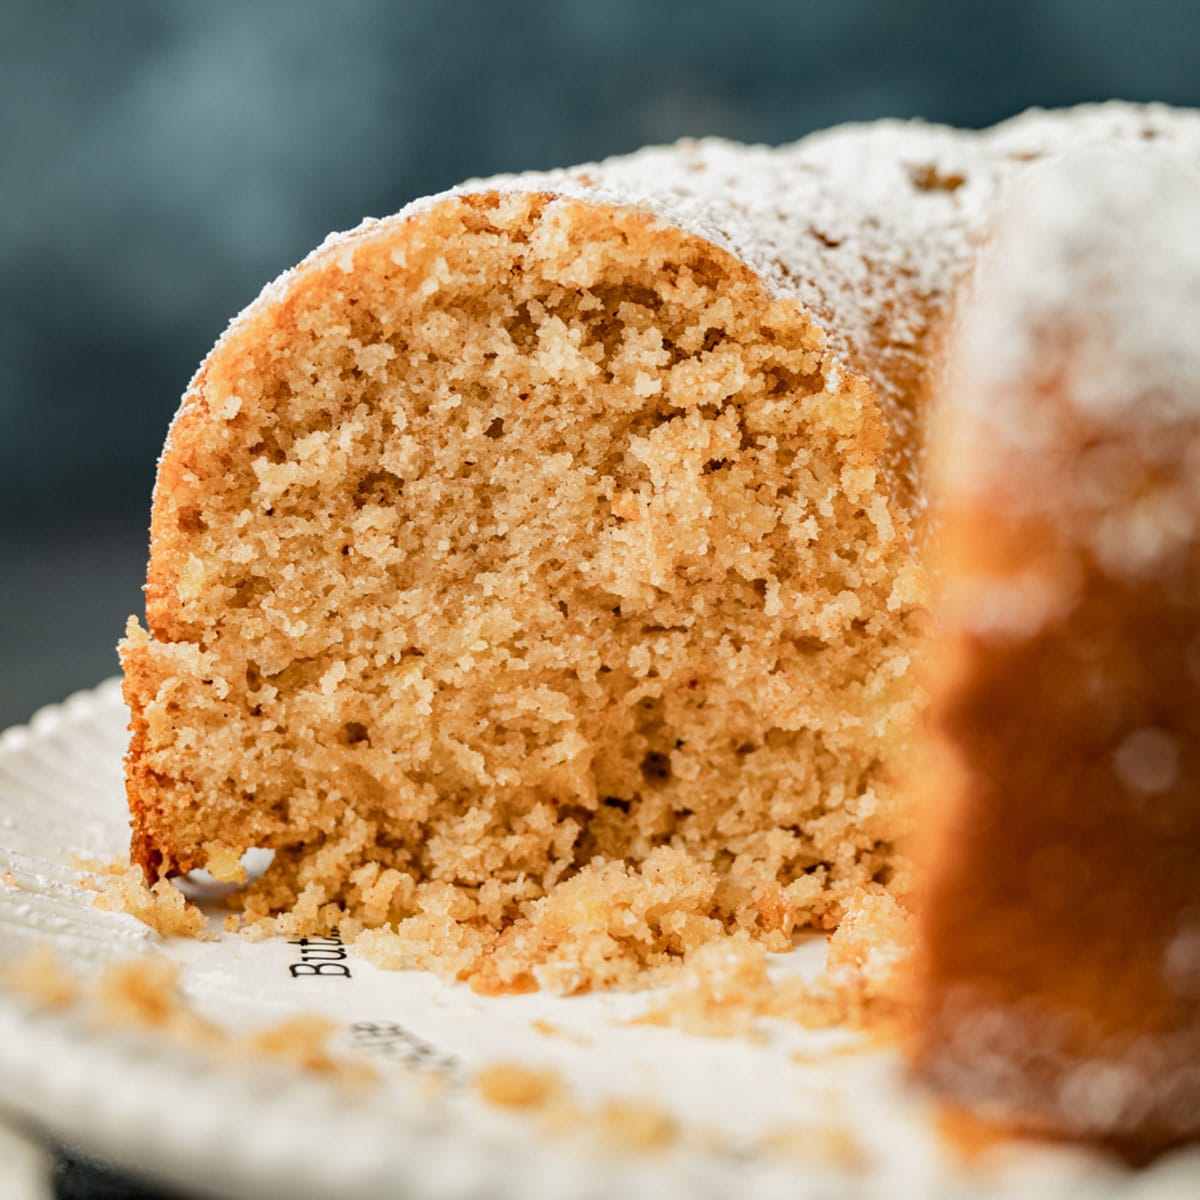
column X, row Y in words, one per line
column 517, row 535
column 1060, row 920
column 538, row 572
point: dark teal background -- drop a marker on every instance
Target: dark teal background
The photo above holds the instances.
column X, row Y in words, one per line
column 159, row 161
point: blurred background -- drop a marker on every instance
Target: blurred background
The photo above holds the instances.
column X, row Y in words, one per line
column 162, row 160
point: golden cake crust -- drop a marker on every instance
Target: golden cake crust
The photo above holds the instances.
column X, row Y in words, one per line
column 1059, row 985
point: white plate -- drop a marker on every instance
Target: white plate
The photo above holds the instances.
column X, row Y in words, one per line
column 253, row 1130
column 24, row 1168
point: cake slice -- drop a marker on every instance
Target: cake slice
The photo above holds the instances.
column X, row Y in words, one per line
column 537, row 571
column 1060, row 915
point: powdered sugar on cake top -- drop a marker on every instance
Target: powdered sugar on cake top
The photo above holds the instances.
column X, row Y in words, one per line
column 1107, row 244
column 1076, row 357
column 869, row 227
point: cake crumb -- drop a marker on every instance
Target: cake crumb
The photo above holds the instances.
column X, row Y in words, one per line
column 607, row 925
column 431, row 941
column 144, row 993
column 861, row 986
column 858, row 1045
column 8, row 879
column 511, row 1085
column 550, row 1030
column 630, row 1125
column 140, row 992
column 162, row 907
column 832, row 1145
column 224, row 864
column 85, row 864
column 721, row 993
column 725, row 987
column 40, row 978
column 635, row 1125
column 302, row 1041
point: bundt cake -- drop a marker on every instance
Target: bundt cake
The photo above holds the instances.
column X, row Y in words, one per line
column 540, row 572
column 1059, row 928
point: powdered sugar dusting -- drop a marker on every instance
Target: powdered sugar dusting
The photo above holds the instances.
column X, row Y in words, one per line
column 1181, row 960
column 1110, row 242
column 869, row 227
column 1147, row 761
column 1075, row 369
column 1015, row 1063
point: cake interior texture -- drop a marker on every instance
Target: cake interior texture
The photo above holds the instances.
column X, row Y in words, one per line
column 529, row 580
